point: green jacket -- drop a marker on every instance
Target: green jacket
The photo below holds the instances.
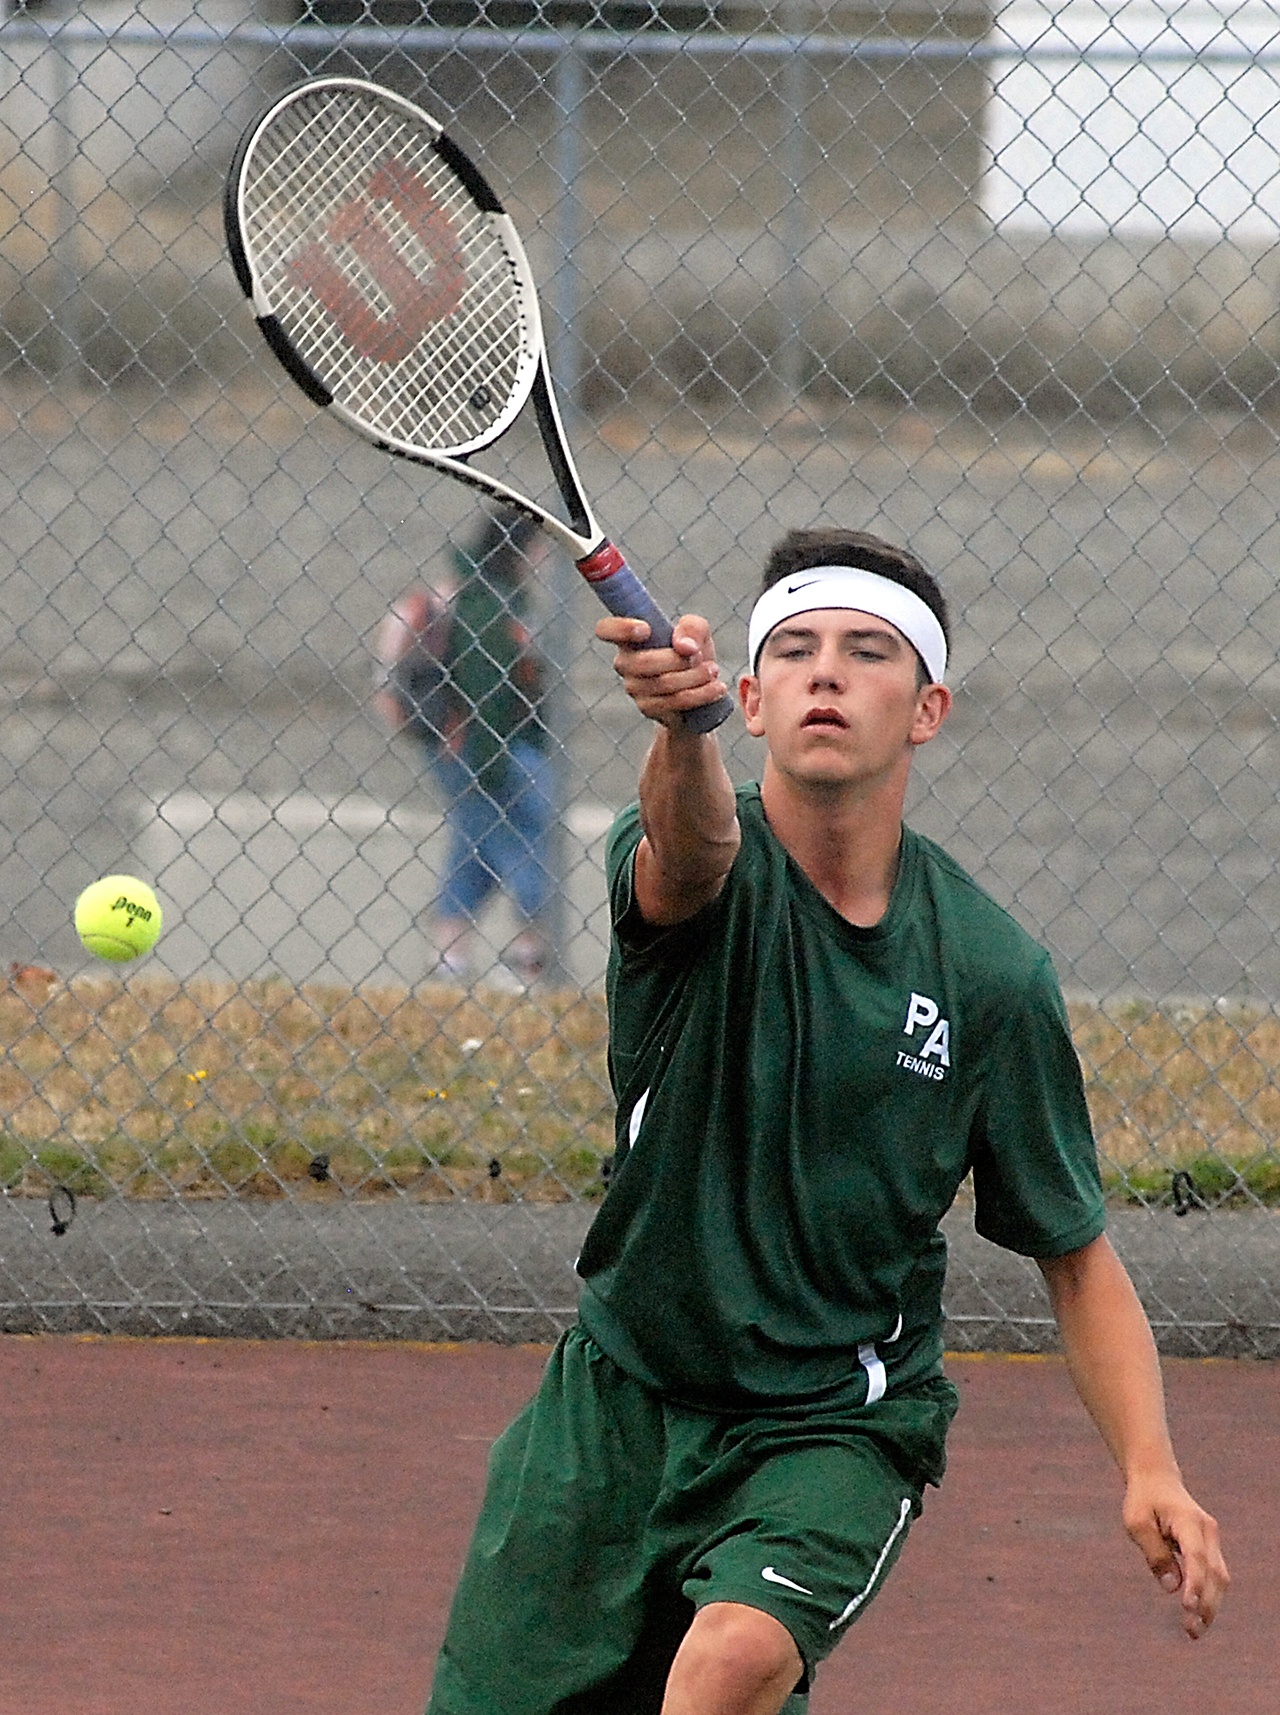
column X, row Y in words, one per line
column 500, row 678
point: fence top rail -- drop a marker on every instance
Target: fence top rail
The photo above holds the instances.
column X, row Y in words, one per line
column 600, row 43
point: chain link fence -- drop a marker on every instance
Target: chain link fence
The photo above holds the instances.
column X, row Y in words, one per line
column 1002, row 282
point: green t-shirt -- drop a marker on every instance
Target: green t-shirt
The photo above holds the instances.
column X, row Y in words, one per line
column 799, row 1101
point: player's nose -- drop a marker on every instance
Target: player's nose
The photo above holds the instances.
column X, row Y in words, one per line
column 826, row 669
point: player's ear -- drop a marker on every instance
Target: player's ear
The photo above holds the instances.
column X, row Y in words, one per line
column 932, row 708
column 749, row 697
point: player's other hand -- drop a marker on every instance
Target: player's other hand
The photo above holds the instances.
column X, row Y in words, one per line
column 1180, row 1542
column 663, row 683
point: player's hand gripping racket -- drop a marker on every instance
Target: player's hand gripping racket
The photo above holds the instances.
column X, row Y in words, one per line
column 392, row 285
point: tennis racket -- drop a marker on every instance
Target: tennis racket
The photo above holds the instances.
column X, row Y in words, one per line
column 391, row 284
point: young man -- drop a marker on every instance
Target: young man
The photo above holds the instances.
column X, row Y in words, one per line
column 819, row 1027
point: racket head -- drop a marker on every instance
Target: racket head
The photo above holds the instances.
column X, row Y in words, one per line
column 382, row 269
column 392, row 285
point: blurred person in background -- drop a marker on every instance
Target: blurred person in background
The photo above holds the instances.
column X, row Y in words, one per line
column 462, row 674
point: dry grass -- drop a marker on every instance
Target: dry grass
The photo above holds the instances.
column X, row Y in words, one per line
column 155, row 1089
column 1184, row 1088
column 209, row 1089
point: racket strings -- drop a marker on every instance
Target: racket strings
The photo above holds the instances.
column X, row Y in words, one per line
column 394, row 286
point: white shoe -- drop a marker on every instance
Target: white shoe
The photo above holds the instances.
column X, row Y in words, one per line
column 527, row 958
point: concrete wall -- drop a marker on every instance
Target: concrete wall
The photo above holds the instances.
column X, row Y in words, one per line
column 722, row 246
column 1003, row 321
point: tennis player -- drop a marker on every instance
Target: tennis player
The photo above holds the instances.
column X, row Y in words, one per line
column 819, row 1025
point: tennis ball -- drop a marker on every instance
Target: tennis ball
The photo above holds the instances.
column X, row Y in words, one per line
column 118, row 917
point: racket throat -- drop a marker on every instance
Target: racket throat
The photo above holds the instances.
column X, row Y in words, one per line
column 562, row 467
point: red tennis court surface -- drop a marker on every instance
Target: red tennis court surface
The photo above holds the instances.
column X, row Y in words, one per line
column 243, row 1528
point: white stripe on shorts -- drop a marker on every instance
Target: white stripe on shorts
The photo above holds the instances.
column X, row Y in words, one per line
column 851, row 1608
column 873, row 1364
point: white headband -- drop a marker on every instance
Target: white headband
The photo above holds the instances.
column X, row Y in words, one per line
column 818, row 587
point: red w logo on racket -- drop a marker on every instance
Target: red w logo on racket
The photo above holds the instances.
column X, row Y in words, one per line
column 415, row 307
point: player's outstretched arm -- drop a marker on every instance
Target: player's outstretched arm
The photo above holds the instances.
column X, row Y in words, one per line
column 687, row 803
column 1116, row 1370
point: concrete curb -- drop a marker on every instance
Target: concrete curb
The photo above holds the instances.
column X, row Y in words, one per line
column 505, row 1273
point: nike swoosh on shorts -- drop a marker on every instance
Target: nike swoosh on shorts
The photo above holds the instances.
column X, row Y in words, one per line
column 773, row 1577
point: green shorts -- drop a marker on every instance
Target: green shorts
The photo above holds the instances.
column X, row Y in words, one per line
column 611, row 1516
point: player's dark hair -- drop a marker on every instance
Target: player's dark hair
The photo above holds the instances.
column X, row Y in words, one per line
column 830, row 545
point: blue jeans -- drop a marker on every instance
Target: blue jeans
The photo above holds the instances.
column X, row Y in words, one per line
column 498, row 833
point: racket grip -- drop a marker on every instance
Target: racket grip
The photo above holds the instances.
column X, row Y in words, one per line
column 622, row 593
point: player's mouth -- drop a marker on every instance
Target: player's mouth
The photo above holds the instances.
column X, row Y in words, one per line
column 824, row 720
